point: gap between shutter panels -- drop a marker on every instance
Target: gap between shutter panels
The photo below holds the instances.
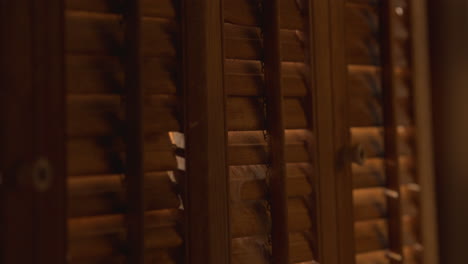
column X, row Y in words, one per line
column 365, row 90
column 248, row 150
column 96, row 149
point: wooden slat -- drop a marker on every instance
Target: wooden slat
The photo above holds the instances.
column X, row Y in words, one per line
column 105, row 194
column 411, row 255
column 374, row 235
column 372, row 173
column 134, row 133
column 170, row 256
column 248, row 182
column 89, row 227
column 250, row 218
column 105, row 155
column 104, row 75
column 93, row 33
column 300, row 247
column 249, row 250
column 244, row 78
column 368, row 111
column 207, row 199
column 275, row 127
column 366, row 81
column 245, row 113
column 371, row 203
column 93, row 115
column 114, row 244
column 372, row 140
column 258, row 154
column 162, row 8
column 246, row 13
column 245, row 43
column 394, row 225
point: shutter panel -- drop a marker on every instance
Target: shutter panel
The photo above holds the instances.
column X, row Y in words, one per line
column 248, row 114
column 386, row 206
column 32, row 132
column 98, row 194
column 215, row 131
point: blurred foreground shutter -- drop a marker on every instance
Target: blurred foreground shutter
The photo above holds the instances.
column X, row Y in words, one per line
column 32, row 130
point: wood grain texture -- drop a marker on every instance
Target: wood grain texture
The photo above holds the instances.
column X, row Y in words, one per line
column 424, row 129
column 32, row 128
column 208, row 238
column 321, row 97
column 343, row 117
column 275, row 125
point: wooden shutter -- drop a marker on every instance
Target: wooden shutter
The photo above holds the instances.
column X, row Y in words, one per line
column 32, row 156
column 123, row 99
column 269, row 118
column 205, row 131
column 387, row 210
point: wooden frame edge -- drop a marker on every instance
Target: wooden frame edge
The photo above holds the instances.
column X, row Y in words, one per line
column 342, row 144
column 424, row 136
column 208, row 238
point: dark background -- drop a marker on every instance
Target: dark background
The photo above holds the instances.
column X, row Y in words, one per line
column 448, row 30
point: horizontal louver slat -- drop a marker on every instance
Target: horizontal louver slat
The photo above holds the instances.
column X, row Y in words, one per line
column 161, row 8
column 247, row 13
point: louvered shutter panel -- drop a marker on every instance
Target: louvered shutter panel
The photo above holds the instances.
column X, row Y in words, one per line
column 249, row 110
column 386, row 206
column 99, row 129
column 221, row 131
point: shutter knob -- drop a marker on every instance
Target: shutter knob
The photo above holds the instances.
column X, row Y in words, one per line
column 358, row 154
column 42, row 175
column 36, row 175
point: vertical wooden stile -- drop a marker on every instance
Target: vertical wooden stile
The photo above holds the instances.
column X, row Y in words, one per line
column 424, row 135
column 32, row 132
column 207, row 205
column 322, row 126
column 134, row 100
column 395, row 244
column 343, row 174
column 49, row 130
column 275, row 127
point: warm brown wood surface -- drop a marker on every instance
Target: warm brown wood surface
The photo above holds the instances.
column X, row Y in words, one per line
column 275, row 125
column 134, row 133
column 32, row 121
column 208, row 238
